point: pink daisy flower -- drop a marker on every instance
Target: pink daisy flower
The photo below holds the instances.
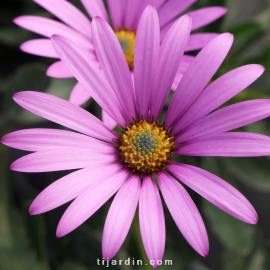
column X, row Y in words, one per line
column 125, row 16
column 124, row 163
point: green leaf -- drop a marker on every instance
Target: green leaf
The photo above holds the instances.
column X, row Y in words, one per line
column 232, row 262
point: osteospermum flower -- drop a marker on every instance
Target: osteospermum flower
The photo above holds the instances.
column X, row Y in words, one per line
column 125, row 15
column 125, row 163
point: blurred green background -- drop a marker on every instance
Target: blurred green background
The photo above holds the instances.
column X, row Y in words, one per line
column 29, row 242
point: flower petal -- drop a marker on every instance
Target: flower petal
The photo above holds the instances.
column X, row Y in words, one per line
column 108, row 121
column 48, row 27
column 232, row 144
column 132, row 14
column 95, row 8
column 120, row 216
column 114, row 65
column 68, row 13
column 173, row 8
column 90, row 201
column 198, row 41
column 69, row 187
column 204, row 16
column 89, row 75
column 197, row 76
column 39, row 139
column 146, row 59
column 215, row 190
column 228, row 118
column 40, row 47
column 218, row 92
column 152, row 222
column 184, row 213
column 64, row 113
column 59, row 70
column 171, row 52
column 63, row 159
column 79, row 95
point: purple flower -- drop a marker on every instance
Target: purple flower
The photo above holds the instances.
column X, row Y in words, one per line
column 125, row 16
column 124, row 163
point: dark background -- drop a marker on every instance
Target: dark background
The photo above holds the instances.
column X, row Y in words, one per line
column 29, row 242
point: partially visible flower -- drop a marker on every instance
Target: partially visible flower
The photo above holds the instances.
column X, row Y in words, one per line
column 125, row 15
column 111, row 163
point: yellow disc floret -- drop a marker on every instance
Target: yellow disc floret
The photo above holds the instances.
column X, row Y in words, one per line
column 145, row 146
column 127, row 42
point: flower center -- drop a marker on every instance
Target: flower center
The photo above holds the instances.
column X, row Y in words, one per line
column 145, row 146
column 127, row 42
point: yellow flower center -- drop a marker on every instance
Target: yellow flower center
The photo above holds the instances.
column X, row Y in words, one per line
column 145, row 146
column 127, row 42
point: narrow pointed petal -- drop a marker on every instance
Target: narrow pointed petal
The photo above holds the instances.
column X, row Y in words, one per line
column 95, row 8
column 198, row 41
column 40, row 47
column 171, row 53
column 64, row 113
column 197, row 76
column 90, row 201
column 79, row 95
column 215, row 190
column 218, row 92
column 152, row 222
column 232, row 144
column 68, row 13
column 184, row 213
column 89, row 75
column 227, row 118
column 204, row 16
column 108, row 121
column 63, row 159
column 48, row 27
column 120, row 216
column 146, row 59
column 69, row 187
column 59, row 70
column 39, row 139
column 116, row 9
column 171, row 9
column 114, row 65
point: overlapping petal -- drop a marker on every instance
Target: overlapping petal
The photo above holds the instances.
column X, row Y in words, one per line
column 107, row 120
column 198, row 41
column 79, row 95
column 116, row 8
column 215, row 190
column 95, row 8
column 58, row 70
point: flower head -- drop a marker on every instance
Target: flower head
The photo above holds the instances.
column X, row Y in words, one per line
column 125, row 163
column 125, row 15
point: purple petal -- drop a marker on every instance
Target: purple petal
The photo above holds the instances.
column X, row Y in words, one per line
column 39, row 139
column 171, row 52
column 40, row 47
column 215, row 190
column 204, row 16
column 146, row 58
column 58, row 70
column 228, row 118
column 69, row 187
column 232, row 144
column 95, row 8
column 90, row 201
column 218, row 92
column 48, row 27
column 79, row 95
column 108, row 121
column 114, row 65
column 68, row 13
column 198, row 41
column 171, row 9
column 64, row 113
column 63, row 159
column 152, row 222
column 132, row 14
column 89, row 75
column 120, row 217
column 184, row 213
column 117, row 9
column 197, row 76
